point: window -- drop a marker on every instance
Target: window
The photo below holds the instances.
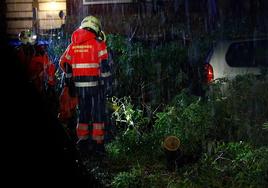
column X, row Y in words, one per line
column 248, row 54
column 92, row 2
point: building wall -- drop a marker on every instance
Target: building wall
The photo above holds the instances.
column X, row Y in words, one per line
column 140, row 18
column 19, row 15
column 162, row 18
column 48, row 13
column 39, row 15
column 112, row 15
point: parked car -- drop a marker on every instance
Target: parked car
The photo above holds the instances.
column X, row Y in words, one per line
column 230, row 58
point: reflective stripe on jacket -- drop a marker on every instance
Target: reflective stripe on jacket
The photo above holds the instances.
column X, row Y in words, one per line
column 84, row 54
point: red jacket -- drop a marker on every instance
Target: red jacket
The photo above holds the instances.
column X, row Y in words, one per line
column 42, row 66
column 67, row 105
column 84, row 54
column 39, row 68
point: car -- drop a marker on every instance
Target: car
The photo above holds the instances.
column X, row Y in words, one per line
column 230, row 58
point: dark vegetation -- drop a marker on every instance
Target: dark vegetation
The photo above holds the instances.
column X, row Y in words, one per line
column 223, row 133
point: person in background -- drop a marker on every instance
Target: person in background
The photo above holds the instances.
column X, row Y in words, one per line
column 85, row 63
column 35, row 61
column 62, row 17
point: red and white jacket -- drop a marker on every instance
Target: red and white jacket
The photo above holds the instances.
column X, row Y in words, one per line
column 86, row 55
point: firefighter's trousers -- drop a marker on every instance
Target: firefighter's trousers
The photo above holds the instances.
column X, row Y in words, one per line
column 91, row 114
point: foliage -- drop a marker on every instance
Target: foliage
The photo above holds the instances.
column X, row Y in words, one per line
column 142, row 177
column 128, row 179
column 126, row 114
column 240, row 109
column 149, row 74
column 132, row 126
column 189, row 119
column 265, row 126
column 210, row 129
column 217, row 135
column 230, row 165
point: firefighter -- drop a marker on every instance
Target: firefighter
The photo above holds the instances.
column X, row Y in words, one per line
column 40, row 70
column 85, row 61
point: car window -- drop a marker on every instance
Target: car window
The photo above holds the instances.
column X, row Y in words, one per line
column 248, row 54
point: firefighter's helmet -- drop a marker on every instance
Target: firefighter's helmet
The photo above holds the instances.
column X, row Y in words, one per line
column 27, row 36
column 92, row 23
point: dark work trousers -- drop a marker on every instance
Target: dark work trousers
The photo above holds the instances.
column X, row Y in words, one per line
column 91, row 109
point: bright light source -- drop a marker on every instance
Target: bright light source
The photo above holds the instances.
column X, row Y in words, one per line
column 53, row 5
